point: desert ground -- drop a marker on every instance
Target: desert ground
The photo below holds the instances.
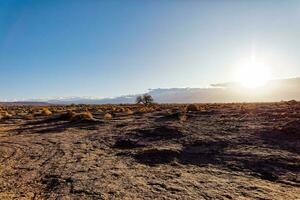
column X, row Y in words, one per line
column 197, row 151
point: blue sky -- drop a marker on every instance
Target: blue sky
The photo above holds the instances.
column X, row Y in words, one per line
column 110, row 48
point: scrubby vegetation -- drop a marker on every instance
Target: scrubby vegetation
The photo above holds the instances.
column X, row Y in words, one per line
column 108, row 116
column 193, row 107
column 138, row 151
column 82, row 116
column 46, row 112
column 5, row 115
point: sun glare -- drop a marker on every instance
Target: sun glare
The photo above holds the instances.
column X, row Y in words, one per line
column 253, row 75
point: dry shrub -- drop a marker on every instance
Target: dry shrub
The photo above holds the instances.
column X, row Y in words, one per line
column 46, row 112
column 155, row 108
column 182, row 117
column 13, row 113
column 31, row 111
column 193, row 108
column 69, row 114
column 243, row 108
column 143, row 110
column 83, row 116
column 100, row 110
column 146, row 109
column 113, row 108
column 121, row 109
column 5, row 115
column 22, row 114
column 129, row 112
column 292, row 102
column 158, row 109
column 108, row 116
column 177, row 116
column 29, row 117
column 182, row 108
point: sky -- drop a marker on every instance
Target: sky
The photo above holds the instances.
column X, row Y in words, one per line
column 107, row 48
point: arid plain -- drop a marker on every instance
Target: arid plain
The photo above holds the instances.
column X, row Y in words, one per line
column 203, row 151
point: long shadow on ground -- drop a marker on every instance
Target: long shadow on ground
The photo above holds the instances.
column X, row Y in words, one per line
column 252, row 155
column 56, row 125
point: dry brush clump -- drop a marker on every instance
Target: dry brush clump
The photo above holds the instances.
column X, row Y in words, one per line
column 292, row 102
column 70, row 115
column 178, row 116
column 108, row 116
column 84, row 116
column 247, row 107
column 123, row 109
column 129, row 112
column 46, row 112
column 182, row 117
column 120, row 109
column 193, row 108
column 146, row 109
column 29, row 117
column 5, row 115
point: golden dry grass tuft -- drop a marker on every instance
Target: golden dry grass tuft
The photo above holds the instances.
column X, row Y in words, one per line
column 46, row 112
column 86, row 116
column 100, row 110
column 129, row 112
column 28, row 117
column 5, row 115
column 121, row 109
column 146, row 109
column 108, row 116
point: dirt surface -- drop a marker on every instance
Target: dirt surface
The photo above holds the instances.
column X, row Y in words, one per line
column 221, row 151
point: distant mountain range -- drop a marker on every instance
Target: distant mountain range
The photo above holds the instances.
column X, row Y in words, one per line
column 25, row 103
column 275, row 90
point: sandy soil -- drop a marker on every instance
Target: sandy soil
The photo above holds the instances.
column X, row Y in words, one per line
column 223, row 151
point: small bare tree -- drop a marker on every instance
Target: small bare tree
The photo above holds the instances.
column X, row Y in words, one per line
column 145, row 99
column 139, row 99
column 148, row 100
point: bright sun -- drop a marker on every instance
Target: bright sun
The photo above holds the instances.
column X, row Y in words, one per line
column 253, row 75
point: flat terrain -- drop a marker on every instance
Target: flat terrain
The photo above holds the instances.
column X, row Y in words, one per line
column 214, row 151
